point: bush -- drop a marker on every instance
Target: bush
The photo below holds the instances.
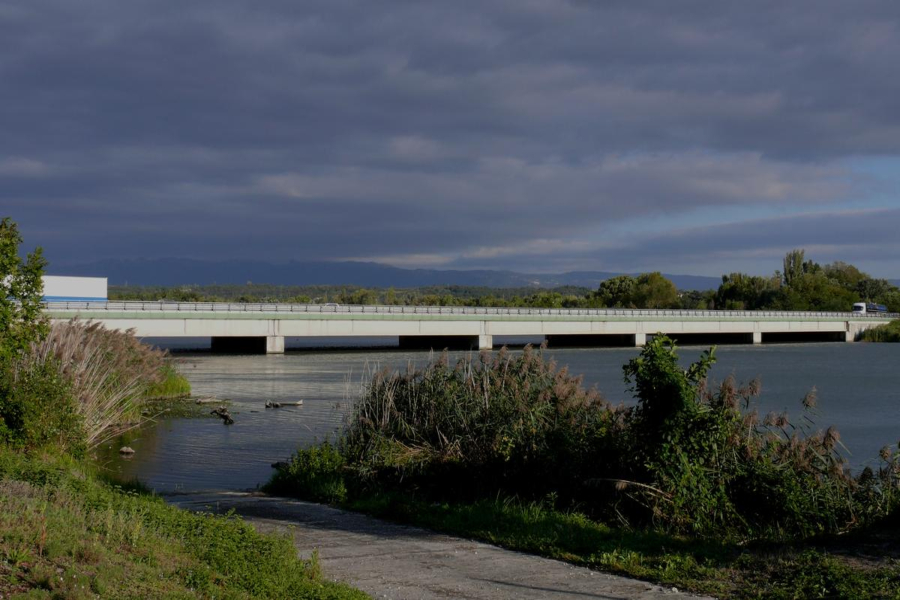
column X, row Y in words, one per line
column 314, row 473
column 704, row 463
column 37, row 408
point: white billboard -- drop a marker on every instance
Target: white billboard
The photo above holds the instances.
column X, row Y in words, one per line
column 83, row 289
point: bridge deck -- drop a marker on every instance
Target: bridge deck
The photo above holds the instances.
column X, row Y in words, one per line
column 205, row 310
column 266, row 325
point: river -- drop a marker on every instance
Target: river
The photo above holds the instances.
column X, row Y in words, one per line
column 858, row 387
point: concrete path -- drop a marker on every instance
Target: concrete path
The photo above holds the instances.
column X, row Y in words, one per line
column 399, row 562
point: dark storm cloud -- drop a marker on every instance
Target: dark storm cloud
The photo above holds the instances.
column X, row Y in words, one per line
column 429, row 132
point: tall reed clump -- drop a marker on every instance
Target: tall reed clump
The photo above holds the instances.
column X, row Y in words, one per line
column 889, row 332
column 501, row 420
column 106, row 374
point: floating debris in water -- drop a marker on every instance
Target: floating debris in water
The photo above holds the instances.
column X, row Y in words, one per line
column 271, row 404
column 126, row 450
column 224, row 414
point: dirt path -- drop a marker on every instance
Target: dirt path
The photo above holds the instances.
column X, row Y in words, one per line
column 399, row 562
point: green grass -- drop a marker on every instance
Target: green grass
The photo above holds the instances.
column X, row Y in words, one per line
column 813, row 570
column 173, row 385
column 66, row 533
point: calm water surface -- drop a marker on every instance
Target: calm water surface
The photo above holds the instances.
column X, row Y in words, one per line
column 858, row 387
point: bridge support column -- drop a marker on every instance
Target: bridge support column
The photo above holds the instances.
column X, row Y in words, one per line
column 756, row 337
column 640, row 340
column 485, row 342
column 275, row 344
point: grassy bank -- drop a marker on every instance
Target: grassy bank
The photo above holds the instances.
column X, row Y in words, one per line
column 64, row 532
column 883, row 333
column 690, row 487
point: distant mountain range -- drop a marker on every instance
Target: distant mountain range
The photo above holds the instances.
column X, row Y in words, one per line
column 174, row 271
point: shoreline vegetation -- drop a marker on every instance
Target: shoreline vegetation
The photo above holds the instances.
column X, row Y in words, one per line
column 66, row 529
column 801, row 285
column 689, row 488
column 883, row 333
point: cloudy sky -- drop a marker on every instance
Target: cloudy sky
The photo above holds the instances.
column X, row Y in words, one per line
column 536, row 135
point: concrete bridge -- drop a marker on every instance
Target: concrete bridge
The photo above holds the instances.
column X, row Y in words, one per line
column 263, row 327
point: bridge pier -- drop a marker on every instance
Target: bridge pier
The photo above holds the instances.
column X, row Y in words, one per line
column 756, row 338
column 272, row 344
column 275, row 344
column 450, row 342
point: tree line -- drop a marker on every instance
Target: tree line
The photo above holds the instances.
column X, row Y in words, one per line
column 801, row 284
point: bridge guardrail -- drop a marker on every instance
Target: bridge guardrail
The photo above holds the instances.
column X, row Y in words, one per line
column 164, row 306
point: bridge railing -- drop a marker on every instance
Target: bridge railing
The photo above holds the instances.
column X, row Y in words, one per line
column 225, row 307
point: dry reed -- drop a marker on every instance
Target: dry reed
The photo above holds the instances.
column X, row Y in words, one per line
column 108, row 373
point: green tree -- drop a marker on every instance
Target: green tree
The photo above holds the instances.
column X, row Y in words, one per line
column 652, row 290
column 814, row 291
column 875, row 290
column 845, row 275
column 361, row 296
column 616, row 291
column 793, row 266
column 21, row 291
column 892, row 300
column 739, row 291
